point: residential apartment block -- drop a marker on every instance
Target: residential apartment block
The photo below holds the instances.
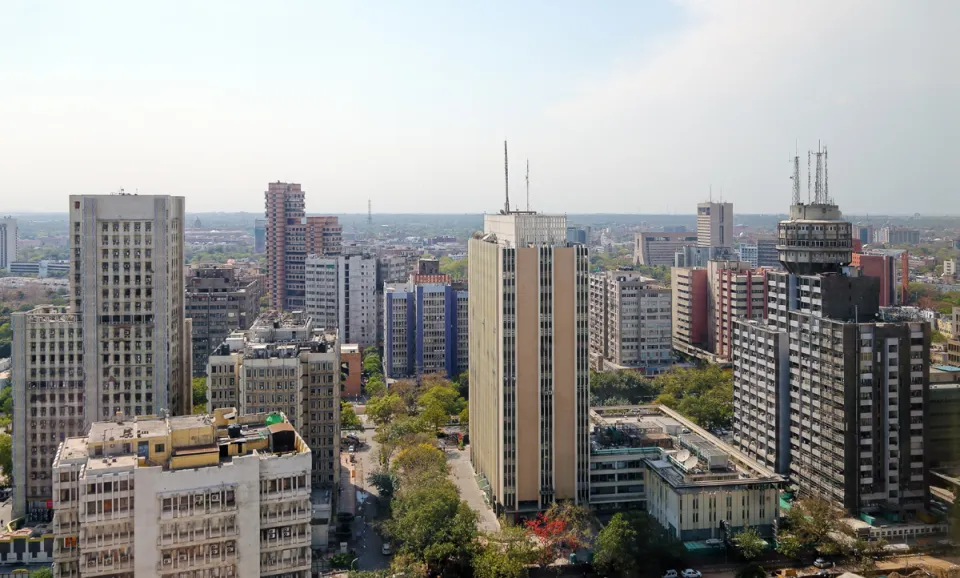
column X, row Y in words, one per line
column 689, row 291
column 425, row 327
column 529, row 356
column 290, row 237
column 736, row 291
column 121, row 347
column 896, row 236
column 219, row 299
column 660, row 248
column 630, row 322
column 202, row 495
column 346, row 285
column 284, row 363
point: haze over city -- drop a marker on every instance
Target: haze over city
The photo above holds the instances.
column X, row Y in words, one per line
column 633, row 107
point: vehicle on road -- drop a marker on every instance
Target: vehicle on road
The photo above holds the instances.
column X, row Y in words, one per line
column 386, row 550
column 821, row 563
column 353, row 449
column 690, row 573
column 670, row 574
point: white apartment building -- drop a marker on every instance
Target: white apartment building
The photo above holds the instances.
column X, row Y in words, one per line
column 354, row 292
column 630, row 322
column 8, row 241
column 163, row 496
column 715, row 224
column 125, row 322
column 284, row 363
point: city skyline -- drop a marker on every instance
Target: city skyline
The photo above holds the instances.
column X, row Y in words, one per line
column 645, row 106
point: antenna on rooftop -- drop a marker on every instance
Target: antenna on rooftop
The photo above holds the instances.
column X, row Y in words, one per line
column 808, row 177
column 826, row 188
column 506, row 180
column 528, row 185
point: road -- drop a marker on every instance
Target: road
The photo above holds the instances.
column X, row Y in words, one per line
column 366, row 541
column 462, row 474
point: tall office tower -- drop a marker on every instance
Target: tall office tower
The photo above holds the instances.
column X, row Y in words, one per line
column 660, row 248
column 736, row 292
column 529, row 362
column 689, row 289
column 290, row 237
column 8, row 242
column 259, row 235
column 125, row 322
column 201, row 495
column 715, row 224
column 425, row 327
column 343, row 291
column 284, row 363
column 219, row 299
column 630, row 322
column 897, row 236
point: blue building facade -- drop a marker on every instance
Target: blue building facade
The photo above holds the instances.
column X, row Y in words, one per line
column 425, row 330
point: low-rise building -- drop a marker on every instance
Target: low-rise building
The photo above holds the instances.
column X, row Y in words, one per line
column 225, row 494
column 652, row 458
column 659, row 248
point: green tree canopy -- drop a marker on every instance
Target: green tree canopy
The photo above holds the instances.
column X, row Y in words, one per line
column 621, row 386
column 506, row 553
column 375, row 386
column 348, row 417
column 372, row 365
column 810, row 525
column 385, row 408
column 420, row 464
column 703, row 394
column 636, row 541
column 615, row 546
column 749, row 543
column 434, row 525
column 6, row 458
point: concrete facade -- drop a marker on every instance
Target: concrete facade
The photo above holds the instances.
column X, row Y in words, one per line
column 715, row 224
column 529, row 373
column 345, row 285
column 162, row 497
column 218, row 301
column 283, row 363
column 689, row 290
column 630, row 321
column 660, row 248
column 8, row 242
column 125, row 321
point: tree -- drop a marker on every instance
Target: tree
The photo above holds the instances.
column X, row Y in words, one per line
column 383, row 409
column 563, row 527
column 420, row 464
column 463, row 384
column 199, row 386
column 348, row 417
column 434, row 525
column 703, row 394
column 464, row 419
column 624, row 385
column 752, row 570
column 386, row 483
column 371, row 350
column 375, row 386
column 506, row 553
column 42, row 573
column 6, row 458
column 6, row 401
column 435, row 415
column 749, row 543
column 811, row 524
column 372, row 365
column 615, row 548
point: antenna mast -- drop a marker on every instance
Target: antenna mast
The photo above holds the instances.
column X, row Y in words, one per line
column 506, row 179
column 796, row 180
column 808, row 177
column 818, row 182
column 528, row 185
column 826, row 182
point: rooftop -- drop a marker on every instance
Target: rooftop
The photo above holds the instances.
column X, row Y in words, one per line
column 682, row 453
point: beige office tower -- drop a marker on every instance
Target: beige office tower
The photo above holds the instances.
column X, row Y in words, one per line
column 123, row 345
column 715, row 224
column 529, row 362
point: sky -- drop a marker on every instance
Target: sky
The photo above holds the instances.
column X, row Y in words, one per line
column 633, row 106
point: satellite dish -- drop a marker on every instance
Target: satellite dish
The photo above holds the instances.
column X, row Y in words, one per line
column 683, row 455
column 691, row 462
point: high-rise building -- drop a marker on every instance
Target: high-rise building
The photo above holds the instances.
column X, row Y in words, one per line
column 131, row 352
column 863, row 233
column 715, row 224
column 689, row 289
column 284, row 363
column 259, row 235
column 220, row 299
column 630, row 322
column 659, row 248
column 8, row 242
column 290, row 237
column 897, row 236
column 341, row 293
column 200, row 495
column 736, row 291
column 529, row 362
column 425, row 327
column 891, row 268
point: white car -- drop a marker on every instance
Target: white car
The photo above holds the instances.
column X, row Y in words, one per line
column 690, row 573
column 670, row 574
column 821, row 563
column 386, row 550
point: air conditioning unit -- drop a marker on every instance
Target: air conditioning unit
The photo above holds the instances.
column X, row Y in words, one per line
column 167, row 560
column 214, row 498
column 230, row 548
column 215, row 549
column 183, row 557
column 199, row 500
column 287, row 531
column 273, row 534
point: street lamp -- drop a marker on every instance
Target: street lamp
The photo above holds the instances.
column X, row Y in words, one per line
column 352, row 563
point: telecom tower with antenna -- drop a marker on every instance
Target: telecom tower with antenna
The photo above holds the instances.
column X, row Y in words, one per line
column 528, row 185
column 506, row 179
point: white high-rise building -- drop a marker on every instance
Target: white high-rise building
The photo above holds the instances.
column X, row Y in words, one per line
column 223, row 495
column 131, row 352
column 715, row 224
column 349, row 283
column 8, row 241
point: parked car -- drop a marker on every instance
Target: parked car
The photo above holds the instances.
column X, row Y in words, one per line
column 690, row 573
column 353, row 449
column 670, row 574
column 821, row 563
column 386, row 550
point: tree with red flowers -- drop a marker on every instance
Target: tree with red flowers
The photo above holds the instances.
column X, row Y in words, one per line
column 562, row 529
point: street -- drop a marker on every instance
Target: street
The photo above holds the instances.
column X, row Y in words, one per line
column 462, row 474
column 365, row 541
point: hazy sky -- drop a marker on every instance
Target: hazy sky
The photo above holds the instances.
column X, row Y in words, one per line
column 621, row 106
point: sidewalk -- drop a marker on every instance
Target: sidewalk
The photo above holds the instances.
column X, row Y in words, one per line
column 348, row 493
